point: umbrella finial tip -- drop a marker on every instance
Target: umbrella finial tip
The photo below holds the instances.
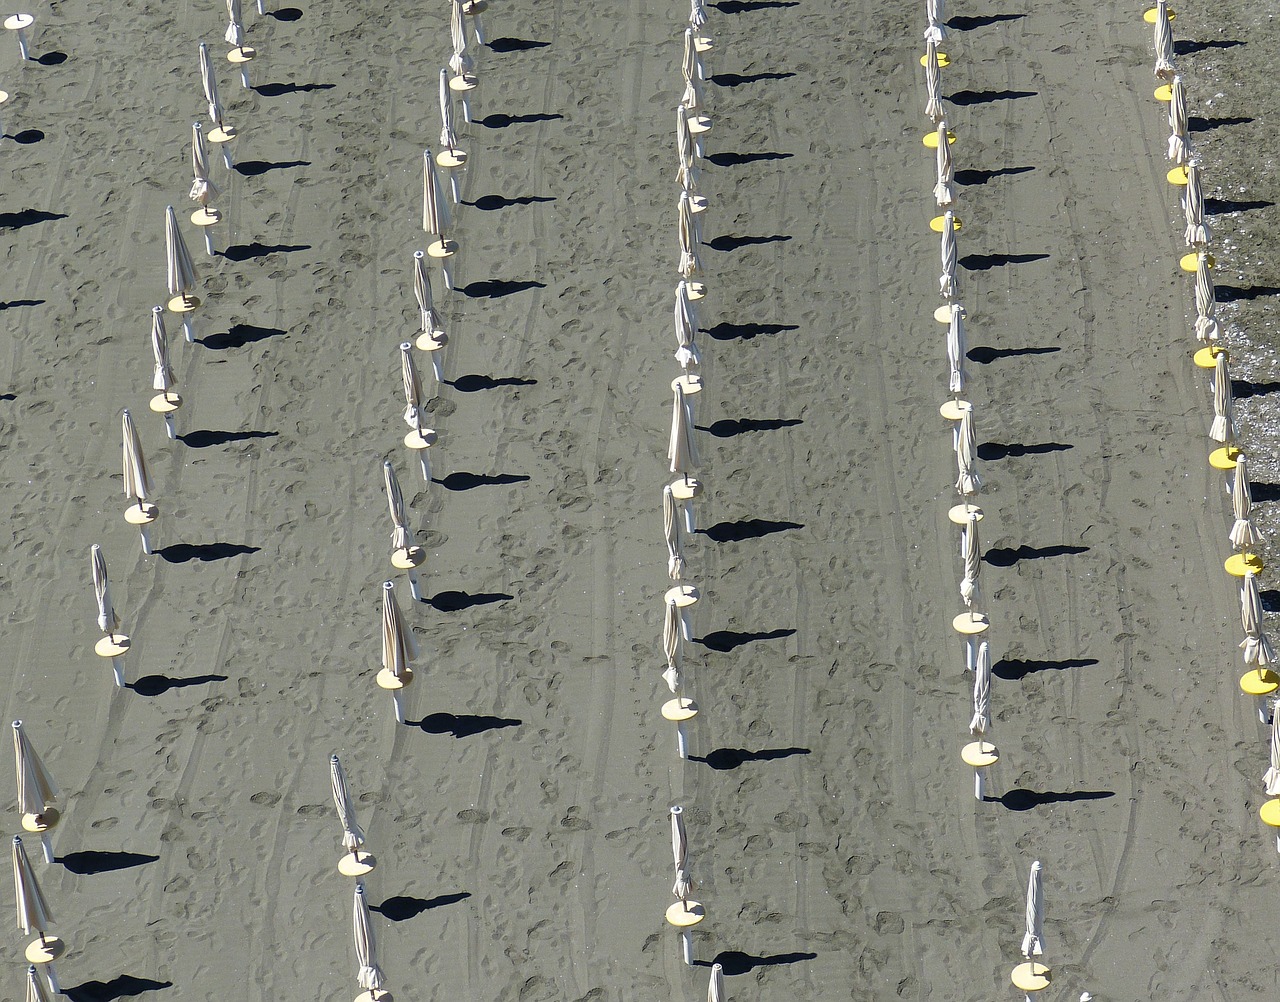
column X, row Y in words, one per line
column 677, row 809
column 387, row 585
column 17, row 725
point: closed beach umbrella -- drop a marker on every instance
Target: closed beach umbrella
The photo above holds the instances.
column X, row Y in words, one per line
column 691, row 67
column 431, row 320
column 1207, row 326
column 37, row 791
column 413, row 398
column 715, row 988
column 697, row 13
column 401, row 534
column 209, row 82
column 108, row 621
column 398, row 646
column 981, row 721
column 352, row 833
column 679, row 838
column 690, row 256
column 932, row 83
column 1243, row 534
column 671, row 530
column 435, row 210
column 1179, row 135
column 688, row 174
column 686, row 326
column 137, row 479
column 1164, row 42
column 234, row 34
column 1223, row 429
column 681, row 450
column 1256, row 644
column 370, row 976
column 202, row 188
column 1196, row 233
column 1271, row 778
column 36, row 991
column 33, row 910
column 943, row 193
column 460, row 62
column 947, row 285
column 162, row 375
column 971, row 552
column 448, row 138
column 968, row 482
column 956, row 349
column 180, row 270
column 671, row 645
column 1033, row 938
column 933, row 13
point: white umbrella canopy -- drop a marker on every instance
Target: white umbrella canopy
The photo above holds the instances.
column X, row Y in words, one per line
column 937, row 31
column 681, row 451
column 943, row 193
column 209, row 81
column 692, row 99
column 352, row 833
column 967, row 482
column 715, row 987
column 671, row 531
column 398, row 645
column 1164, row 42
column 1196, row 233
column 162, row 377
column 448, row 137
column 431, row 319
column 1256, row 644
column 679, row 838
column 180, row 270
column 33, row 910
column 690, row 239
column 1271, row 778
column 686, row 327
column 1222, row 430
column 1207, row 326
column 697, row 13
column 671, row 646
column 947, row 284
column 932, row 83
column 37, row 792
column 685, row 150
column 956, row 349
column 202, row 187
column 971, row 553
column 1033, row 938
column 1179, row 133
column 370, row 976
column 401, row 533
column 137, row 478
column 234, row 35
column 1243, row 534
column 108, row 621
column 981, row 720
column 435, row 210
column 36, row 991
column 413, row 396
column 460, row 62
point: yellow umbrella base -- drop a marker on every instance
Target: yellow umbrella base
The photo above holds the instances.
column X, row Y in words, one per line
column 392, row 682
column 961, row 513
column 1189, row 262
column 979, row 754
column 1270, row 813
column 1224, row 458
column 183, row 304
column 931, row 139
column 696, row 290
column 679, row 710
column 45, row 951
column 954, row 410
column 684, row 914
column 112, row 646
column 686, row 488
column 1207, row 358
column 1164, row 93
column 356, row 864
column 38, row 824
column 1259, row 683
column 464, row 83
column 943, row 60
column 1150, row 15
column 1031, row 977
column 378, row 996
column 1238, row 564
column 703, row 43
column 939, row 223
column 164, row 403
column 407, row 560
column 1178, row 176
column 698, row 203
column 242, row 54
column 698, row 124
column 16, row 21
column 970, row 624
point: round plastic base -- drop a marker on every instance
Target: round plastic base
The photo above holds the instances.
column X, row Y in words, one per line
column 939, row 223
column 686, row 489
column 979, row 754
column 407, row 560
column 1270, row 813
column 1178, row 176
column 112, row 647
column 392, row 683
column 695, row 290
column 1150, row 15
column 684, row 914
column 16, row 22
column 931, row 139
column 703, row 43
column 1189, row 262
column 451, row 159
column 37, row 824
column 682, row 595
column 242, row 54
column 1259, row 683
column 431, row 340
column 1031, row 977
column 205, row 216
column 1239, row 564
column 183, row 304
column 164, row 403
column 698, row 125
column 463, row 84
column 378, row 996
column 954, row 410
column 221, row 134
column 45, row 951
column 691, row 383
column 698, row 203
column 679, row 710
column 1224, row 458
column 942, row 314
column 1207, row 358
column 141, row 514
column 970, row 624
column 1164, row 93
column 4, row 96
column 424, row 439
column 442, row 248
column 961, row 513
column 356, row 864
column 943, row 60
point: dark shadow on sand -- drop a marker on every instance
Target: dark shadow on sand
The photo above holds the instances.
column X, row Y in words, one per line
column 727, row 759
column 124, row 986
column 14, row 304
column 747, row 528
column 508, row 44
column 1238, row 293
column 474, row 382
column 28, row 137
column 184, row 553
column 746, row 332
column 27, row 217
column 972, row 176
column 463, row 725
column 1187, row 47
column 738, row 159
column 158, row 685
column 488, row 203
column 286, row 14
column 1197, row 124
column 967, row 98
column 1007, row 556
column 280, row 89
column 54, row 58
column 1260, row 491
column 985, row 262
column 738, row 79
column 992, row 451
column 238, row 336
column 1242, row 389
column 87, row 862
column 501, row 121
column 963, row 23
column 724, row 641
column 1271, row 600
column 985, row 356
column 204, row 438
column 728, row 243
column 456, row 601
column 1016, row 669
column 246, row 252
column 255, row 168
column 736, row 962
column 729, row 427
column 496, row 288
column 460, row 481
column 1026, row 800
column 401, row 907
column 1221, row 206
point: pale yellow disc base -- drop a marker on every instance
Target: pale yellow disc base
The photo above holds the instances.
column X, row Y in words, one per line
column 406, row 560
column 695, row 290
column 1164, row 93
column 686, row 490
column 474, row 7
column 931, row 139
column 690, row 383
column 451, row 159
column 424, row 439
column 465, row 83
column 221, row 134
column 1259, row 683
column 205, row 216
column 431, row 340
column 4, row 96
column 939, row 223
column 684, row 914
column 1189, row 262
column 45, row 951
column 1270, row 813
column 112, row 647
column 442, row 248
column 1238, row 564
column 242, row 54
column 1151, row 15
column 16, row 21
column 37, row 824
column 703, row 43
column 971, row 623
column 1178, row 176
column 141, row 514
column 942, row 314
column 943, row 59
column 698, row 124
column 1207, row 358
column 356, row 864
column 979, row 754
column 961, row 513
column 682, row 595
column 378, row 996
column 954, row 410
column 1031, row 977
column 1224, row 458
column 698, row 203
column 679, row 710
column 183, row 304
column 164, row 403
column 390, row 682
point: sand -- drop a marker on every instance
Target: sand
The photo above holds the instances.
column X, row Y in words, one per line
column 520, row 824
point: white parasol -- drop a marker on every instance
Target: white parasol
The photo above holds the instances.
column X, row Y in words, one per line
column 1033, row 938
column 1222, row 430
column 956, row 349
column 1196, row 233
column 1271, row 778
column 933, row 13
column 234, row 35
column 943, row 193
column 686, row 327
column 947, row 284
column 1179, row 134
column 681, row 450
column 932, row 83
column 352, row 833
column 671, row 531
column 690, row 238
column 671, row 645
column 202, row 188
column 968, row 482
column 108, row 621
column 1164, row 42
column 460, row 62
column 1207, row 326
column 715, row 987
column 137, row 478
column 1256, row 644
column 180, row 270
column 685, row 150
column 971, row 554
column 370, row 976
column 692, row 100
column 1243, row 534
column 981, row 721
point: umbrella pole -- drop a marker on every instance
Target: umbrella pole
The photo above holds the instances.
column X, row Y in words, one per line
column 262, row 9
column 682, row 740
column 686, row 625
column 689, row 523
column 437, row 367
column 117, row 664
column 979, row 788
column 970, row 654
column 22, row 44
column 226, row 155
column 466, row 108
column 52, row 979
column 168, row 426
column 444, row 268
column 426, row 466
column 414, row 589
column 686, row 946
column 46, row 843
column 455, row 186
column 208, row 242
column 146, row 548
column 397, row 697
column 187, row 331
